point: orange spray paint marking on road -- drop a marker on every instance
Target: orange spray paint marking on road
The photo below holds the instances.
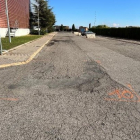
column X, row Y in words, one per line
column 124, row 95
column 98, row 61
column 9, row 99
column 130, row 87
column 127, row 92
column 117, row 92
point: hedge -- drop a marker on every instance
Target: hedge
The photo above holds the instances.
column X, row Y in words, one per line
column 35, row 32
column 129, row 33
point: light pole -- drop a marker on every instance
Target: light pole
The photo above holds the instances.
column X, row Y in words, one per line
column 38, row 19
column 95, row 19
column 8, row 20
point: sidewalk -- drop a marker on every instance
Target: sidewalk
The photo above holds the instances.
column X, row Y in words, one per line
column 24, row 53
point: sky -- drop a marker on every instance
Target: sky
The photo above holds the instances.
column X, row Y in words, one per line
column 113, row 13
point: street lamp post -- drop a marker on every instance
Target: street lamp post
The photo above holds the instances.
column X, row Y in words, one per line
column 38, row 20
column 8, row 21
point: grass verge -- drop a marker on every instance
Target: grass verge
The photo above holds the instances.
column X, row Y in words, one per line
column 17, row 41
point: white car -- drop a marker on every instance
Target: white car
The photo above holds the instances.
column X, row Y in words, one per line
column 36, row 28
column 87, row 32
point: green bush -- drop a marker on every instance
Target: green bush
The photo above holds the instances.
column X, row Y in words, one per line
column 43, row 32
column 35, row 32
column 129, row 33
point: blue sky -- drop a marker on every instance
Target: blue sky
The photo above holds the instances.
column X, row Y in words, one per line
column 118, row 13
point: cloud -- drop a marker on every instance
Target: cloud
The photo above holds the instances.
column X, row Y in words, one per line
column 115, row 25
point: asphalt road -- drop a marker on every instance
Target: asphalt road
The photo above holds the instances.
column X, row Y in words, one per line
column 75, row 89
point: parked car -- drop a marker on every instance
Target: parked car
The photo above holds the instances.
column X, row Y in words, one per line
column 83, row 33
column 36, row 28
column 87, row 32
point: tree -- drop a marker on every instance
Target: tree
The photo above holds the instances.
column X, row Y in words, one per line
column 46, row 16
column 31, row 17
column 89, row 25
column 61, row 27
column 102, row 26
column 73, row 27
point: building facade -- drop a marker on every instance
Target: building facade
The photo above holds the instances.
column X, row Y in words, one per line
column 18, row 11
column 82, row 29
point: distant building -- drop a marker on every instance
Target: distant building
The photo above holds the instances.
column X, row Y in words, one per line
column 66, row 28
column 82, row 29
column 18, row 17
column 57, row 28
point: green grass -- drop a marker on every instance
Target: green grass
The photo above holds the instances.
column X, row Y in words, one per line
column 17, row 41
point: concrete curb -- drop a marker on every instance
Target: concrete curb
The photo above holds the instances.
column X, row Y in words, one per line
column 29, row 59
column 23, row 44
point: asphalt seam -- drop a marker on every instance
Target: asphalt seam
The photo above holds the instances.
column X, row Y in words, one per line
column 29, row 59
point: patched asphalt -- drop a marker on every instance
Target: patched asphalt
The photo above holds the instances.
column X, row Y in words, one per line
column 66, row 93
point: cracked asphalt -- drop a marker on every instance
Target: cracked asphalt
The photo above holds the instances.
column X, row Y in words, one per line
column 74, row 89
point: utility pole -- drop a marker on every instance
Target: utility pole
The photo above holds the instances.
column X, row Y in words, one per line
column 8, row 20
column 95, row 19
column 0, row 46
column 38, row 19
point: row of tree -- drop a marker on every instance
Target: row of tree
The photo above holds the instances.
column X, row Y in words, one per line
column 74, row 29
column 62, row 28
column 41, row 9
